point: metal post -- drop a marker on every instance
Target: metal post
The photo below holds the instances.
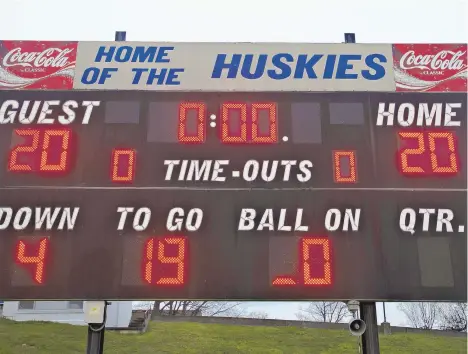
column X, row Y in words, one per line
column 385, row 325
column 96, row 336
column 95, row 341
column 120, row 36
column 370, row 338
column 367, row 310
column 350, row 37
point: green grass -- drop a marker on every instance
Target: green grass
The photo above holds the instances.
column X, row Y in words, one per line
column 52, row 338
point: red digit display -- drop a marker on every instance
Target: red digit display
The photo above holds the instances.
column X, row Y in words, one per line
column 315, row 264
column 284, row 280
column 123, row 165
column 339, row 175
column 437, row 167
column 200, row 110
column 53, row 155
column 30, row 147
column 229, row 135
column 417, row 151
column 165, row 261
column 272, row 136
column 33, row 257
column 61, row 164
column 441, row 158
column 248, row 127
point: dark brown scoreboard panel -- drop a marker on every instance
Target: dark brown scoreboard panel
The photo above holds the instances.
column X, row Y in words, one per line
column 141, row 195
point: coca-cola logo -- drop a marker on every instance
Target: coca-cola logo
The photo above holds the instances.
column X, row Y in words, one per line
column 443, row 60
column 50, row 57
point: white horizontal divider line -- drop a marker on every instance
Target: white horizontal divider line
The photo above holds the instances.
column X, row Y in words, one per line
column 242, row 189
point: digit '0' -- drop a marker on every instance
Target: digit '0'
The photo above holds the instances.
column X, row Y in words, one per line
column 247, row 129
column 315, row 258
column 315, row 264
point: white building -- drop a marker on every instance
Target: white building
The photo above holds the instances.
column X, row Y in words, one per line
column 118, row 312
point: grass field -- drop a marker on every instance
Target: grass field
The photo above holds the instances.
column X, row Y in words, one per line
column 51, row 338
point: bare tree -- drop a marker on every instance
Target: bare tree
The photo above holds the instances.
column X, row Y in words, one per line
column 261, row 315
column 142, row 305
column 421, row 315
column 453, row 316
column 324, row 311
column 196, row 308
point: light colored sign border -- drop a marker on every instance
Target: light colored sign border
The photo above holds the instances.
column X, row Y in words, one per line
column 222, row 67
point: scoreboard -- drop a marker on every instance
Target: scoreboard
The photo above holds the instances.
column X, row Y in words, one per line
column 110, row 195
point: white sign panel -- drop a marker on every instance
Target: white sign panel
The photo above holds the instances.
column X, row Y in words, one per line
column 234, row 66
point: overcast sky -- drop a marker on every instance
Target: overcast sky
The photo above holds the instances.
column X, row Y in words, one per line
column 373, row 21
column 405, row 21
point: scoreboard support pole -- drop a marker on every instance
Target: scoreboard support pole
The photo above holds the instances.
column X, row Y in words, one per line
column 367, row 310
column 95, row 341
column 370, row 338
column 96, row 333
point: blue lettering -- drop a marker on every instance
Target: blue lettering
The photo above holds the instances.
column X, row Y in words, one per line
column 306, row 65
column 86, row 79
column 106, row 73
column 329, row 67
column 162, row 53
column 247, row 66
column 221, row 64
column 138, row 54
column 153, row 74
column 102, row 53
column 344, row 65
column 379, row 70
column 172, row 76
column 282, row 65
column 123, row 54
column 163, row 76
column 142, row 54
column 137, row 76
column 284, row 69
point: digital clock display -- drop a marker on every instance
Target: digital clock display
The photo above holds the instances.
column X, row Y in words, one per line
column 283, row 196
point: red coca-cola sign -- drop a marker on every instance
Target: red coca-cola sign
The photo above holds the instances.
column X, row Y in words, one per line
column 37, row 65
column 430, row 67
